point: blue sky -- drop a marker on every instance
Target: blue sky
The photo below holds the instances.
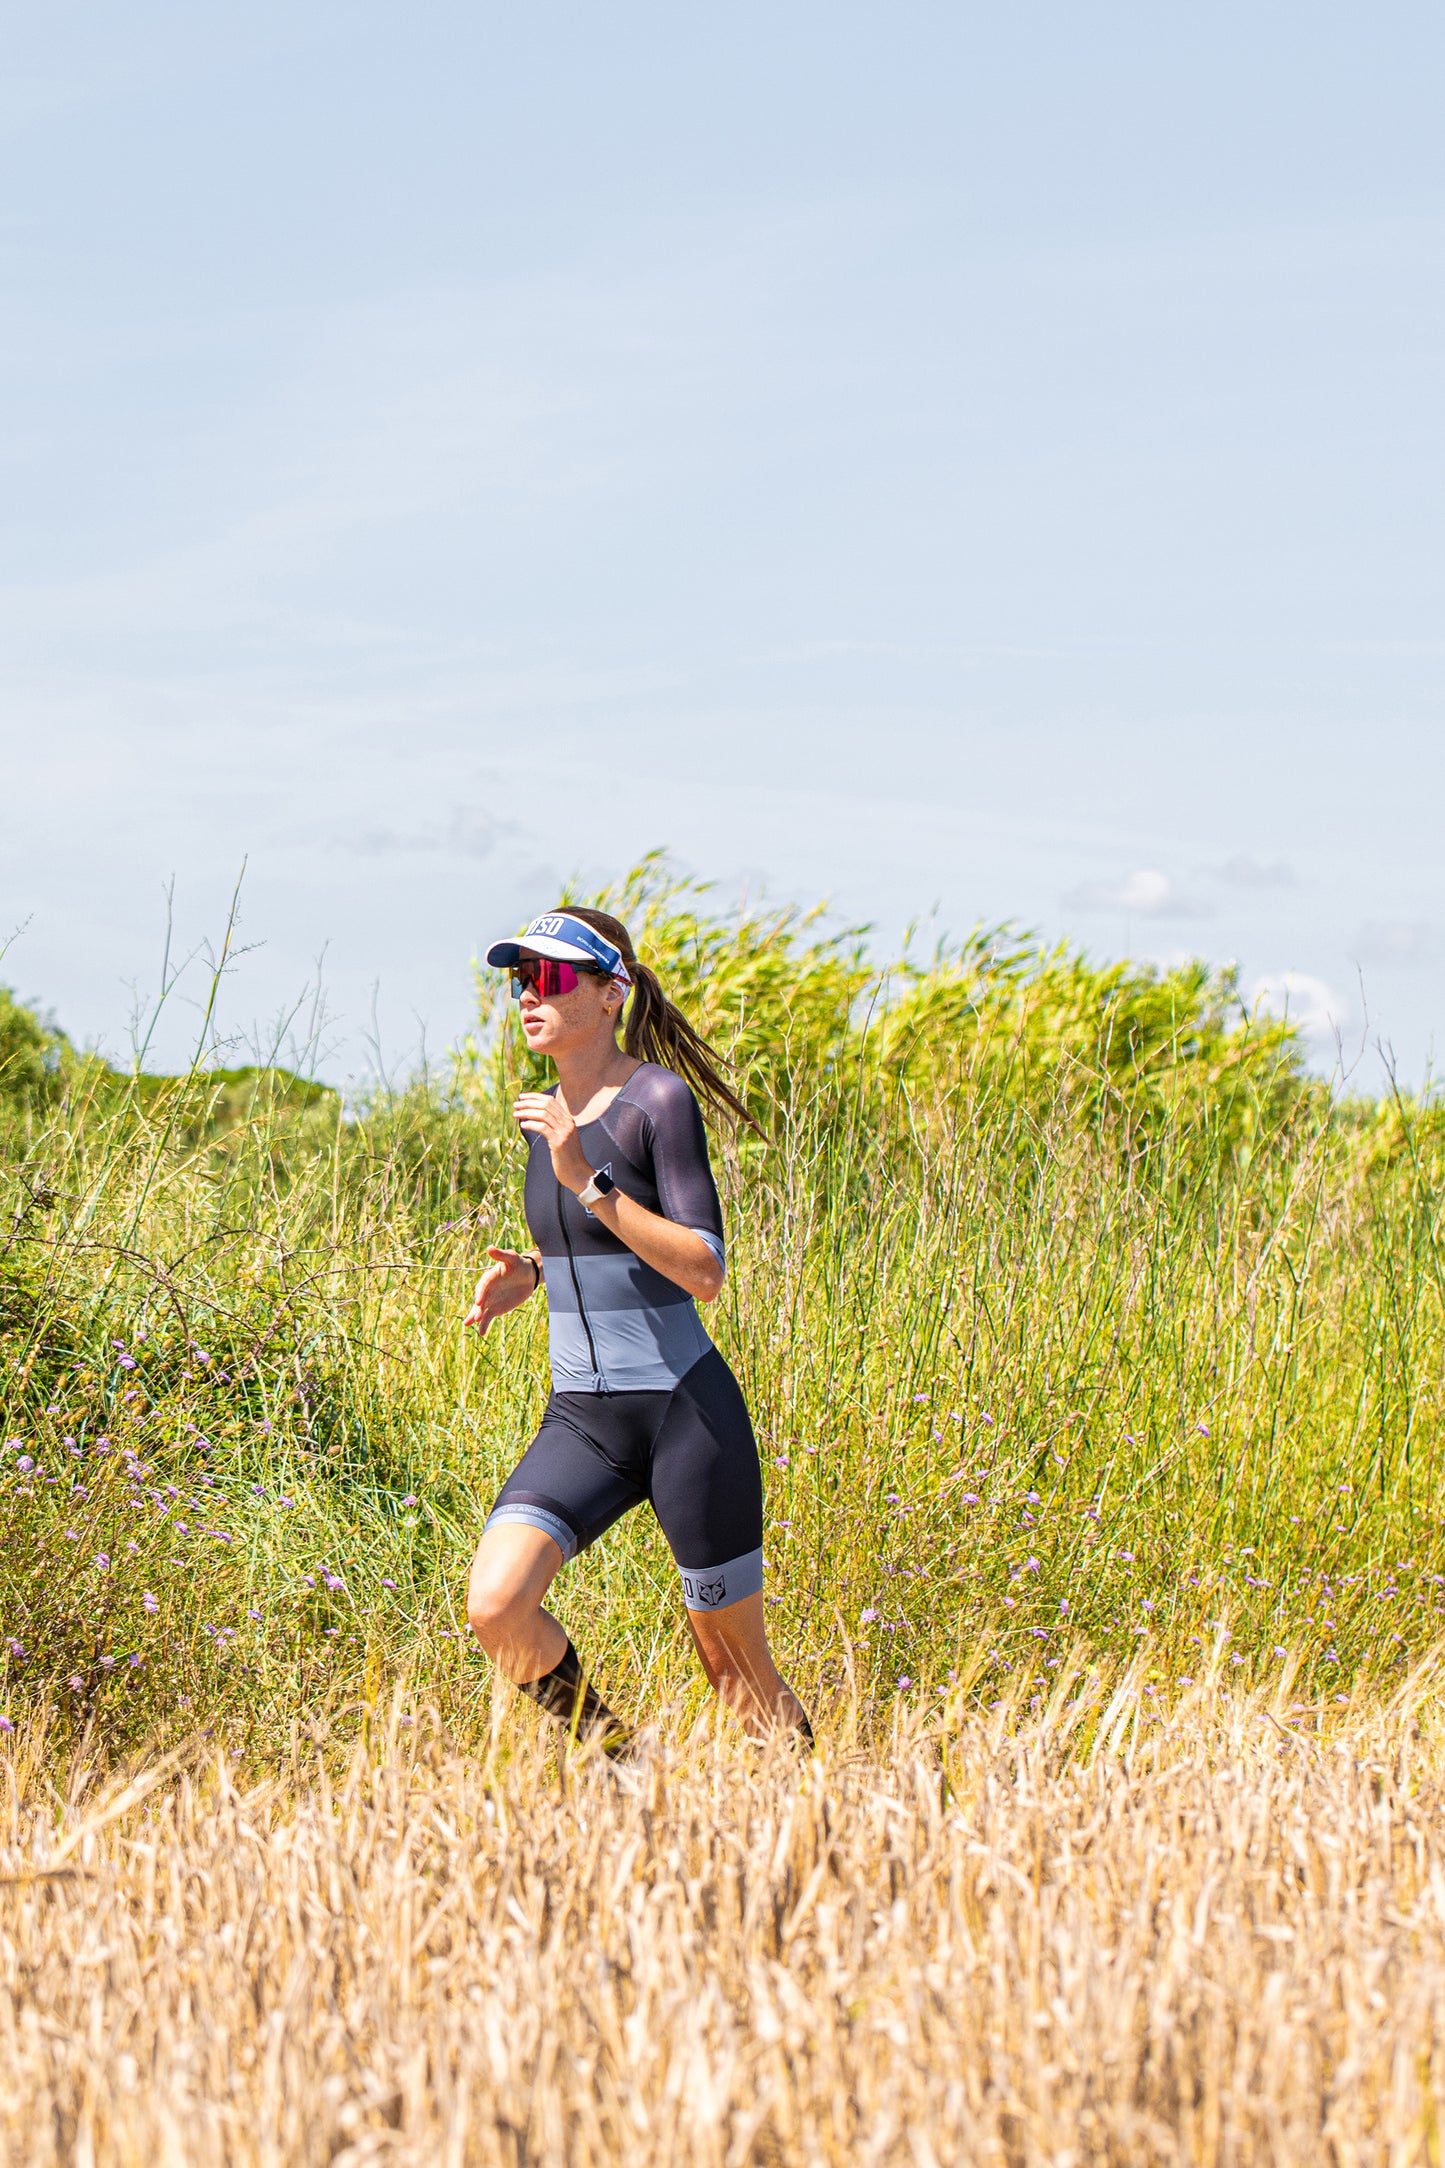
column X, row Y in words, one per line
column 955, row 460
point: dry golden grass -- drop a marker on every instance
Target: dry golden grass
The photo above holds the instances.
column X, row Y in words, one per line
column 1206, row 1938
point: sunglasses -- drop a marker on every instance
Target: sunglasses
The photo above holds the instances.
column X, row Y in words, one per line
column 548, row 976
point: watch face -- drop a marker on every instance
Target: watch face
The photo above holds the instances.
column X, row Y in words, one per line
column 600, row 1186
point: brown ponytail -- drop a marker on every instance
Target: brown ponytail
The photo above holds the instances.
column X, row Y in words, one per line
column 656, row 1029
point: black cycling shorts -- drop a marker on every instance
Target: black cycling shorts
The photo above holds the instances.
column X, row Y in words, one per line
column 690, row 1452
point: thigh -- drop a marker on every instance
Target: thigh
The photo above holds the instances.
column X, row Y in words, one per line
column 707, row 1488
column 572, row 1482
column 514, row 1564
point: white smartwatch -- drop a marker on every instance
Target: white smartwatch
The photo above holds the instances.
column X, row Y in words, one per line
column 600, row 1186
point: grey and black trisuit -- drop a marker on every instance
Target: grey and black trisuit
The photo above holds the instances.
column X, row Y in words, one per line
column 642, row 1404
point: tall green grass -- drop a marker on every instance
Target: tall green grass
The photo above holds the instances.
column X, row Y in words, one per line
column 1068, row 1307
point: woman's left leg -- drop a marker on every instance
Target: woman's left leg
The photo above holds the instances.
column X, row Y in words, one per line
column 733, row 1645
column 707, row 1491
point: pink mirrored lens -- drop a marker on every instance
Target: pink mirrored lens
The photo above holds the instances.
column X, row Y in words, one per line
column 548, row 974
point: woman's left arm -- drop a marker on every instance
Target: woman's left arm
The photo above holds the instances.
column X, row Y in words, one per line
column 676, row 1252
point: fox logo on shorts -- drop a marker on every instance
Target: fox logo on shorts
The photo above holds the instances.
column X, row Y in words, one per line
column 712, row 1591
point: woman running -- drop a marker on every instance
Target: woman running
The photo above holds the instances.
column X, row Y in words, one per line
column 623, row 1209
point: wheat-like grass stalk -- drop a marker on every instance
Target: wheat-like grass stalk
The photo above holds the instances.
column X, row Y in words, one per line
column 1100, row 1934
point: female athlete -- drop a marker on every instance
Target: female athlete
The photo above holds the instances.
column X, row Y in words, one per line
column 622, row 1206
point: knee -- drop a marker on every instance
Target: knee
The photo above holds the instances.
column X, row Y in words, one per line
column 494, row 1613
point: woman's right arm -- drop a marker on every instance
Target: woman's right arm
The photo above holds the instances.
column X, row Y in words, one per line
column 509, row 1279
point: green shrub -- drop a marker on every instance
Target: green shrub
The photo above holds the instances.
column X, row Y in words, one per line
column 1068, row 1308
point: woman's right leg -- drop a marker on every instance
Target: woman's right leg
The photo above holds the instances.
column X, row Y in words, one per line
column 511, row 1573
column 514, row 1567
column 563, row 1492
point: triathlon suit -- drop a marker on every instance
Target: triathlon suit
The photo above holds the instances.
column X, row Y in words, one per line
column 642, row 1404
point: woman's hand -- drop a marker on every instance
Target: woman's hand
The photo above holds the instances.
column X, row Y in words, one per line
column 542, row 1114
column 505, row 1285
column 678, row 1253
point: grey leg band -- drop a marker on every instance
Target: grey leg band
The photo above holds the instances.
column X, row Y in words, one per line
column 551, row 1524
column 713, row 1588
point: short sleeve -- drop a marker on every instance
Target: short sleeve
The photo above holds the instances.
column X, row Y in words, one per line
column 680, row 1164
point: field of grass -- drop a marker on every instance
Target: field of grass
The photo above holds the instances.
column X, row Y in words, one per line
column 1093, row 1349
column 1210, row 1935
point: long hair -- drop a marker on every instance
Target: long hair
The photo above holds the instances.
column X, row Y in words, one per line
column 656, row 1029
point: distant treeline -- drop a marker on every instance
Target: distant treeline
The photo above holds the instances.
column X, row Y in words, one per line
column 1151, row 1058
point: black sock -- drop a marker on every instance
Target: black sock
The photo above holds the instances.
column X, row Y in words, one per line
column 804, row 1731
column 566, row 1693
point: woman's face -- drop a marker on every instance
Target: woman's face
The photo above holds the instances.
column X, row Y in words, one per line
column 569, row 1022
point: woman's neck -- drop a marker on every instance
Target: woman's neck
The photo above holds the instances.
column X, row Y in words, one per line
column 593, row 1072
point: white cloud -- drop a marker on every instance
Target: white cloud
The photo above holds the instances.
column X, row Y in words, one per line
column 470, row 833
column 1314, row 1008
column 1396, row 941
column 1146, row 893
column 1246, row 871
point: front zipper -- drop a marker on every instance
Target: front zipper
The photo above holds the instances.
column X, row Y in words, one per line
column 577, row 1289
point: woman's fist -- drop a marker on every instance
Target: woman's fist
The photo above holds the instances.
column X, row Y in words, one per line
column 507, row 1282
column 543, row 1114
